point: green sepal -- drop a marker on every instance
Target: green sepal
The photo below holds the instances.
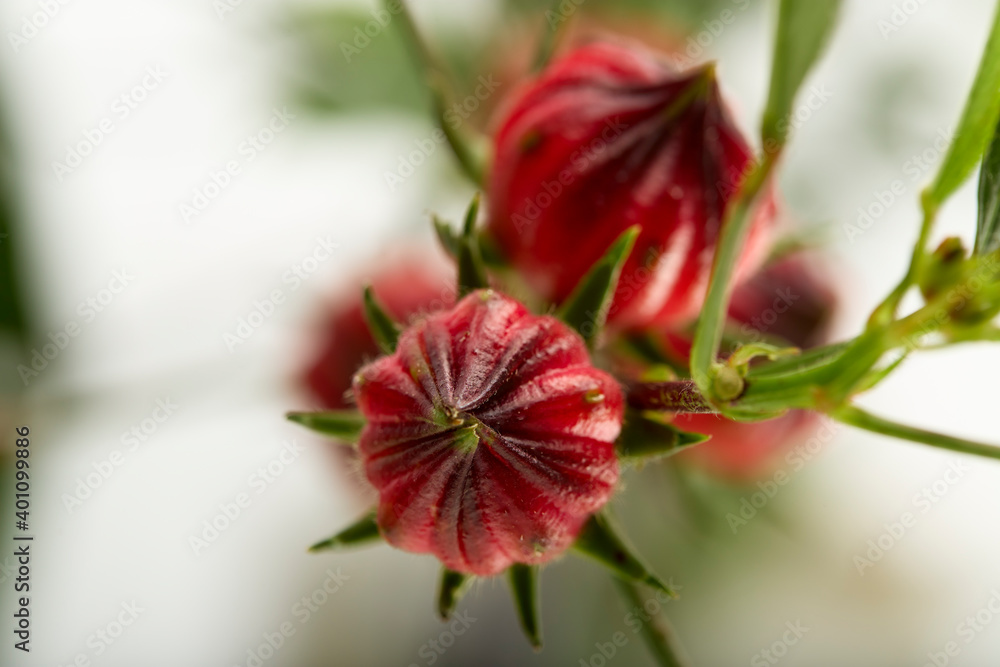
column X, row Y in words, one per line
column 647, row 436
column 586, row 308
column 451, row 589
column 344, row 425
column 471, row 269
column 600, row 540
column 875, row 376
column 552, row 36
column 793, row 365
column 383, row 328
column 363, row 531
column 744, row 354
column 470, row 148
column 656, row 631
column 446, row 236
column 523, row 581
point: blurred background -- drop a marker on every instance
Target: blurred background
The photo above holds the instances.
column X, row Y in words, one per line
column 188, row 186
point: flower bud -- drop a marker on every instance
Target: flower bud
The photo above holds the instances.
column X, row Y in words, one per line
column 406, row 287
column 968, row 285
column 490, row 437
column 606, row 138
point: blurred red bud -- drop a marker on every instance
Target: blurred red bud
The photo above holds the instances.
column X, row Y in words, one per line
column 405, row 287
column 609, row 137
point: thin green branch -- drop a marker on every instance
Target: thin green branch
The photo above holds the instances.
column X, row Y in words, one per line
column 428, row 63
column 552, row 36
column 857, row 417
column 657, row 632
column 680, row 396
column 736, row 224
column 885, row 313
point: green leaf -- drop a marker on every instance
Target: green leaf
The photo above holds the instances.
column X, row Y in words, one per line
column 976, row 126
column 447, row 237
column 600, row 541
column 524, row 587
column 451, row 589
column 383, row 328
column 471, row 269
column 647, row 437
column 804, row 26
column 364, row 531
column 586, row 308
column 988, row 224
column 344, row 425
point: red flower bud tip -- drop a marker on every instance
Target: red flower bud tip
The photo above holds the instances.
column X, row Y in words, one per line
column 408, row 287
column 490, row 436
column 608, row 137
column 791, row 301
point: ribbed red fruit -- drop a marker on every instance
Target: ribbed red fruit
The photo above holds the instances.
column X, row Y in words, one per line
column 490, row 437
column 606, row 138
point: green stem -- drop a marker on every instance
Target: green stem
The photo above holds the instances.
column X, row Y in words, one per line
column 708, row 335
column 680, row 396
column 857, row 417
column 657, row 632
column 428, row 62
column 885, row 313
column 843, row 375
column 851, row 368
column 551, row 37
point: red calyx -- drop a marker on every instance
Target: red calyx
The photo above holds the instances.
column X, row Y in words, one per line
column 608, row 137
column 490, row 437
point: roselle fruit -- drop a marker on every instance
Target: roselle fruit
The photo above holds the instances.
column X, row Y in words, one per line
column 489, row 435
column 605, row 138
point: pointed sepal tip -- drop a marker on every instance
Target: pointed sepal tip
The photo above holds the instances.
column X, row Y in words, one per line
column 450, row 591
column 601, row 541
column 523, row 581
column 383, row 328
column 344, row 425
column 361, row 532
